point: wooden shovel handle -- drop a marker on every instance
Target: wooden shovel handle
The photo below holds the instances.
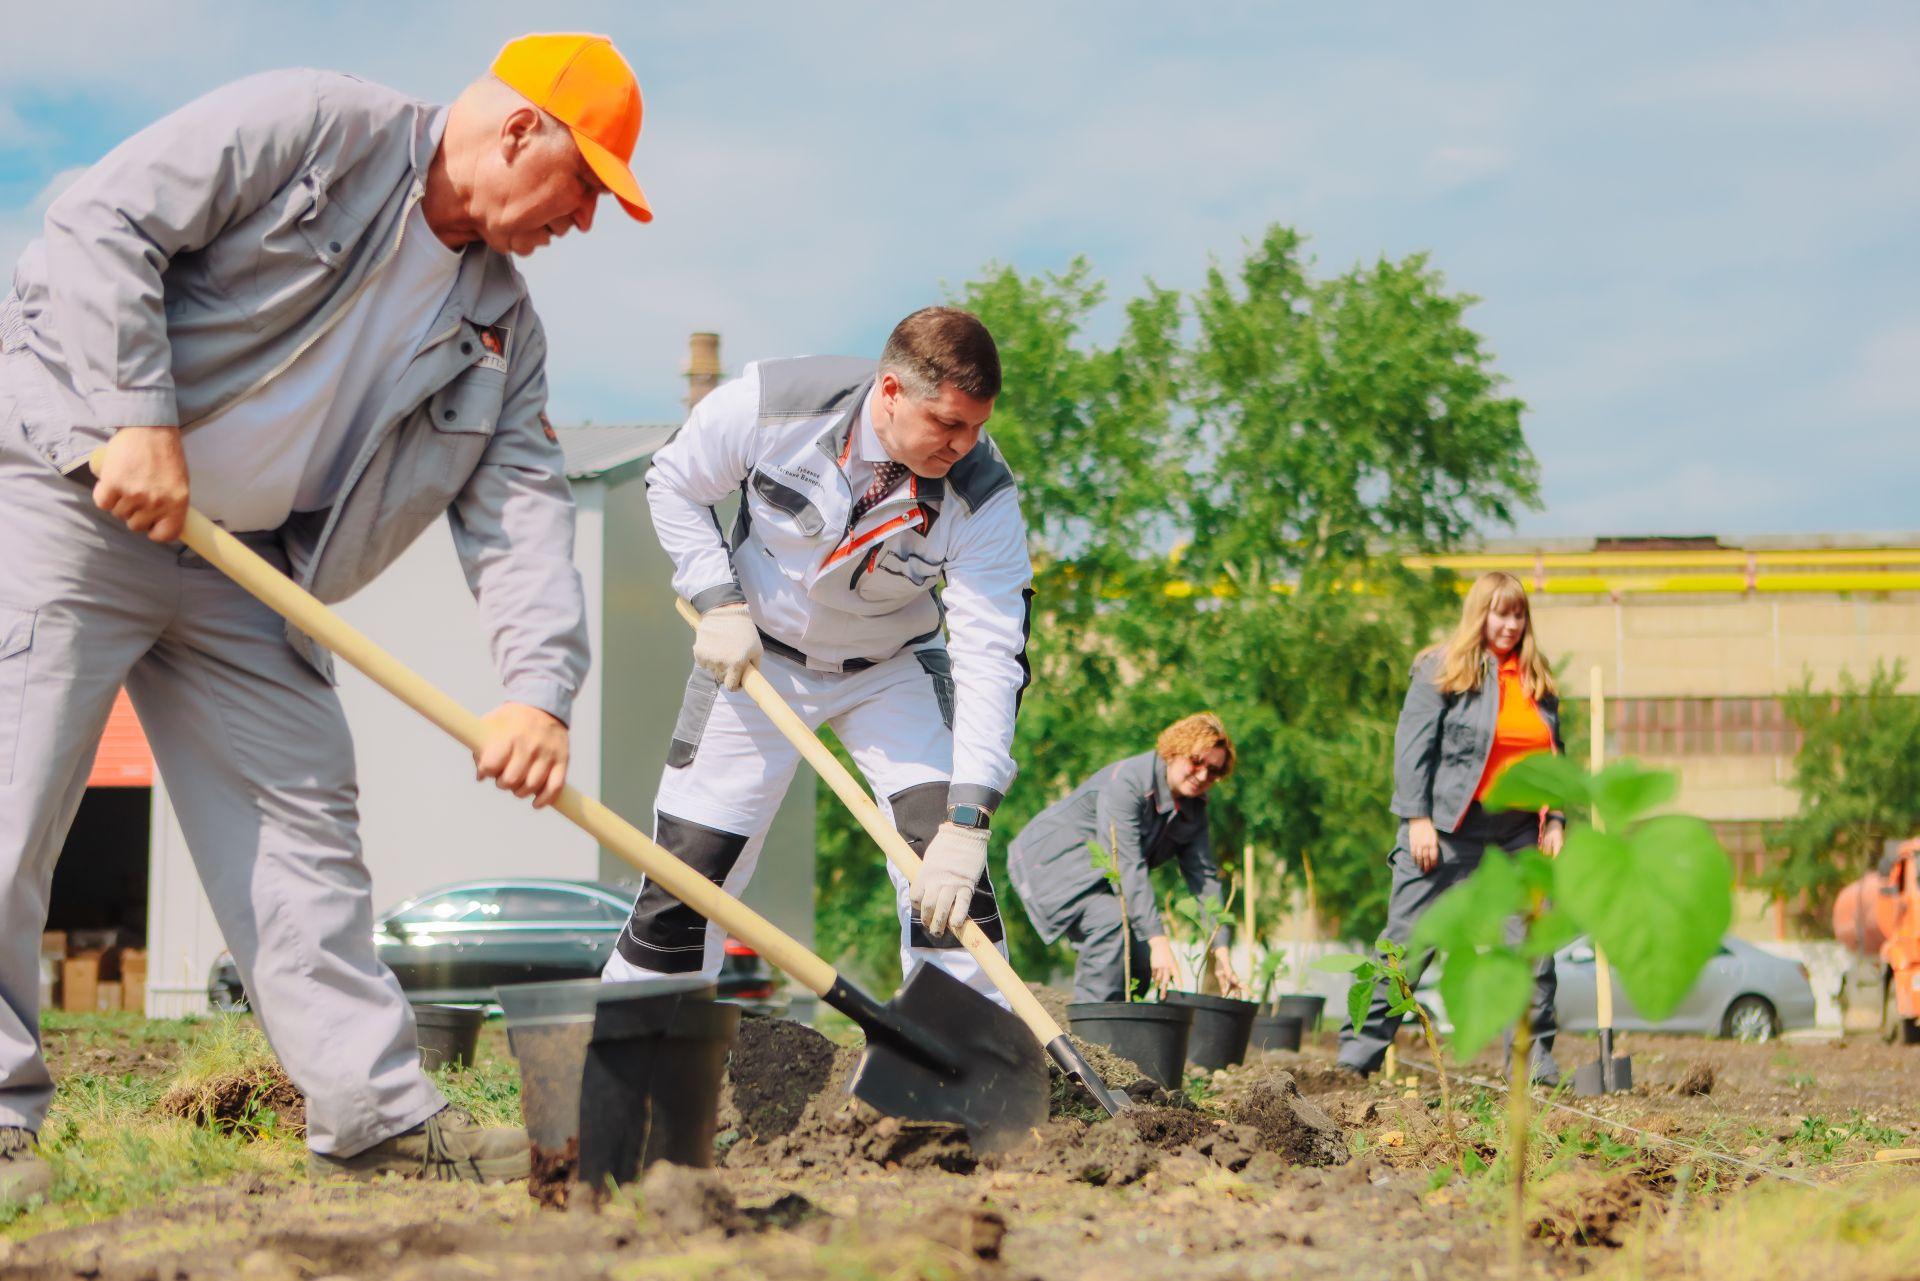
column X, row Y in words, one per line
column 285, row 597
column 895, row 846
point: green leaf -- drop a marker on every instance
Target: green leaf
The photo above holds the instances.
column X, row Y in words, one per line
column 1625, row 790
column 1340, row 963
column 1542, row 780
column 1359, row 997
column 1552, row 930
column 1401, row 1007
column 1658, row 901
column 1473, row 913
column 1486, row 993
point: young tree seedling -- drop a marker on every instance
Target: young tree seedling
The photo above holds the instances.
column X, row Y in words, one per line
column 1655, row 893
column 1389, row 966
column 1107, row 863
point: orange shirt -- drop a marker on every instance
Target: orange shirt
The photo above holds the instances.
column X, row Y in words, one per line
column 1519, row 730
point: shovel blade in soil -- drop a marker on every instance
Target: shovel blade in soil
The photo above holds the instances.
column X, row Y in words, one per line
column 994, row 1081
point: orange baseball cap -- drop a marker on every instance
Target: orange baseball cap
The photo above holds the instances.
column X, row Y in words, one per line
column 584, row 83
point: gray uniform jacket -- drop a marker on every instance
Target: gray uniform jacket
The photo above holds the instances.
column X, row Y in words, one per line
column 1051, row 866
column 1441, row 746
column 202, row 256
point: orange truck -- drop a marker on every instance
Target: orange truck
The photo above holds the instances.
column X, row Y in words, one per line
column 1879, row 915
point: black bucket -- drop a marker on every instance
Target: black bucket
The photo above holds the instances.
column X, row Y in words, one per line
column 1221, row 1026
column 1275, row 1032
column 552, row 1028
column 448, row 1034
column 1305, row 1008
column 1154, row 1037
column 651, row 1089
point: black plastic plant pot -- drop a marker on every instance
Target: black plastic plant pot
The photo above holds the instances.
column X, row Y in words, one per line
column 549, row 1027
column 1221, row 1027
column 1303, row 1007
column 448, row 1034
column 1153, row 1037
column 1275, row 1032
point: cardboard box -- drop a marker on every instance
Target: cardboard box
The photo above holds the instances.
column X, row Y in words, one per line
column 54, row 943
column 106, row 996
column 80, row 982
column 133, row 981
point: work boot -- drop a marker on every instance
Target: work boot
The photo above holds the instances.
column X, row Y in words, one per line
column 23, row 1175
column 449, row 1145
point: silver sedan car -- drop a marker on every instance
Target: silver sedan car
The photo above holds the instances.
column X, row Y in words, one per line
column 1744, row 992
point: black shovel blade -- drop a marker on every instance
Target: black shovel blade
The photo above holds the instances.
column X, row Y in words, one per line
column 946, row 1053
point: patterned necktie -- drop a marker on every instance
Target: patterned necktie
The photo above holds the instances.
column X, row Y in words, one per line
column 886, row 476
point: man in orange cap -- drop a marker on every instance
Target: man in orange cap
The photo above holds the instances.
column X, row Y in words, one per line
column 292, row 303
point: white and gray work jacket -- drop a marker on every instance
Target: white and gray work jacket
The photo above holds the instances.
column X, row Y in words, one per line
column 836, row 596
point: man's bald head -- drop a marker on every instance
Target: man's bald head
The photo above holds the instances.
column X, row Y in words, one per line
column 507, row 174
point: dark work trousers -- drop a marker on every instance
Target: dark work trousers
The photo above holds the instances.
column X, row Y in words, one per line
column 1413, row 892
column 1101, row 972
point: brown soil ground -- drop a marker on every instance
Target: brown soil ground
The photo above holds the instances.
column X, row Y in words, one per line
column 1284, row 1168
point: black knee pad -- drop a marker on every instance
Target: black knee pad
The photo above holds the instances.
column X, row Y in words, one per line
column 918, row 812
column 663, row 933
column 984, row 911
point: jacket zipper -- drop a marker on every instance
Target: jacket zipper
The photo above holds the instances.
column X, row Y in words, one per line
column 340, row 312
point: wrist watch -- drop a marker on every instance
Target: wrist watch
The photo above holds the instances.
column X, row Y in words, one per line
column 978, row 817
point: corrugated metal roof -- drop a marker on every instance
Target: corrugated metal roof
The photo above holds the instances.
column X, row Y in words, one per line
column 594, row 450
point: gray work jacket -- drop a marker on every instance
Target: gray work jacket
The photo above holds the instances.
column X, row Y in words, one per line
column 1441, row 746
column 1128, row 801
column 202, row 256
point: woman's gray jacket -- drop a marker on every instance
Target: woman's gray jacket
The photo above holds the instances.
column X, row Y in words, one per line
column 1441, row 747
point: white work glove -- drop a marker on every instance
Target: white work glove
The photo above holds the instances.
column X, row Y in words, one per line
column 726, row 644
column 948, row 876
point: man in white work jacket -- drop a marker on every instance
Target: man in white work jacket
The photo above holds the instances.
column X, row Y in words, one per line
column 877, row 573
column 291, row 303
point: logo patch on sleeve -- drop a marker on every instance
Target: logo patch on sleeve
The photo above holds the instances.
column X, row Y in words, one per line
column 497, row 342
column 546, row 425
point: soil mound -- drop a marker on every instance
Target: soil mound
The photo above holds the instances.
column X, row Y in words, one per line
column 255, row 1099
column 785, row 1105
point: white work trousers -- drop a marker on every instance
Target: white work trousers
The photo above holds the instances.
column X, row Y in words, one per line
column 729, row 767
column 255, row 753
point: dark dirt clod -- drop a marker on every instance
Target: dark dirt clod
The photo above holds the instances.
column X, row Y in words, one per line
column 237, row 1100
column 551, row 1177
column 1698, row 1079
column 1288, row 1124
column 975, row 1231
column 684, row 1201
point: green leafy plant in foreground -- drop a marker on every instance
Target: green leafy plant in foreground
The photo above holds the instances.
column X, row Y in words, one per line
column 1655, row 893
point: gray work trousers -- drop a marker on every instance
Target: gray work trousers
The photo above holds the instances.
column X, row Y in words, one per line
column 1100, row 972
column 254, row 749
column 1412, row 893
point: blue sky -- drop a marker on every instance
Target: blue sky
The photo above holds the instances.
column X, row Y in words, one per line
column 1693, row 227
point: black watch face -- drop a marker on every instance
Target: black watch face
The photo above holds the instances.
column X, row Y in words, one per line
column 968, row 816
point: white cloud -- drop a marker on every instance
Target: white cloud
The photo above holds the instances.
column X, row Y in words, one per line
column 1866, row 71
column 1885, row 378
column 1460, row 165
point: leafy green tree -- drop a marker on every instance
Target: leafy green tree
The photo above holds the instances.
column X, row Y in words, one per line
column 1858, row 776
column 1219, row 498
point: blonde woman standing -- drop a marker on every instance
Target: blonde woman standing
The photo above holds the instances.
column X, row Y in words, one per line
column 1475, row 705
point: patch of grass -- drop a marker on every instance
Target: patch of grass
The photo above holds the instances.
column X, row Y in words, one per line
column 1868, row 1230
column 489, row 1089
column 111, row 1149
